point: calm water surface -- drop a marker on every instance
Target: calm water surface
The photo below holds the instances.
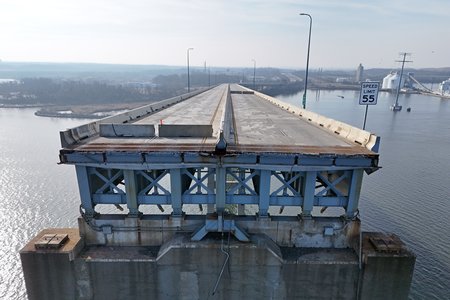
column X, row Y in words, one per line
column 409, row 196
column 35, row 192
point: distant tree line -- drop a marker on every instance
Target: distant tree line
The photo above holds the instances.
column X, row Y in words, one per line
column 58, row 91
column 73, row 92
column 46, row 91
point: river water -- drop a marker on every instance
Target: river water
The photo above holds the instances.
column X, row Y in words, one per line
column 409, row 196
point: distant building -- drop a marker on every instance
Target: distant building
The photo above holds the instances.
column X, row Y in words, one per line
column 343, row 80
column 7, row 80
column 359, row 73
column 257, row 78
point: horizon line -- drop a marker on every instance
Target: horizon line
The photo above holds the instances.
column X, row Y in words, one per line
column 214, row 66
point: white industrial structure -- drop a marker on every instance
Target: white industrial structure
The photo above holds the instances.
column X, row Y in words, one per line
column 390, row 82
column 444, row 87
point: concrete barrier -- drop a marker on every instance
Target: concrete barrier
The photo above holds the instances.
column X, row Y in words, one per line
column 74, row 135
column 127, row 130
column 177, row 130
column 351, row 133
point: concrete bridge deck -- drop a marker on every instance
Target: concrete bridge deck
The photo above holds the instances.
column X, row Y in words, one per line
column 255, row 123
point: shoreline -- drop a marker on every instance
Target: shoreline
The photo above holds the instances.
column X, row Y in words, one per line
column 2, row 105
column 67, row 116
column 106, row 110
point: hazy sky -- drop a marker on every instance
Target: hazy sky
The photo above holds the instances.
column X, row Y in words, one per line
column 227, row 32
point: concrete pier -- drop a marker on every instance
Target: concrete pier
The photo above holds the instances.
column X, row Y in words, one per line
column 183, row 269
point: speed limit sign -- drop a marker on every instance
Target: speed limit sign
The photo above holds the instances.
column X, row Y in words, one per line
column 369, row 93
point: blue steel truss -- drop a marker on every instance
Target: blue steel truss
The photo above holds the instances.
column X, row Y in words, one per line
column 220, row 186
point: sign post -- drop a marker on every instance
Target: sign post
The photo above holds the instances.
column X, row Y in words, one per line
column 368, row 96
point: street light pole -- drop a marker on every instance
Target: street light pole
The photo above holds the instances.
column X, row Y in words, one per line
column 307, row 58
column 189, row 81
column 254, row 73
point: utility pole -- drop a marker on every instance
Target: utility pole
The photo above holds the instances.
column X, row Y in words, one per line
column 307, row 58
column 397, row 107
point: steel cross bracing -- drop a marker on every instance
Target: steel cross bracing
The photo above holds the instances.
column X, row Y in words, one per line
column 221, row 173
column 263, row 188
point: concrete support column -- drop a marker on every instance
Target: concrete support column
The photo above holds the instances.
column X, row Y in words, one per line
column 308, row 192
column 175, row 187
column 354, row 192
column 241, row 207
column 221, row 176
column 131, row 192
column 211, row 186
column 264, row 192
column 85, row 190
